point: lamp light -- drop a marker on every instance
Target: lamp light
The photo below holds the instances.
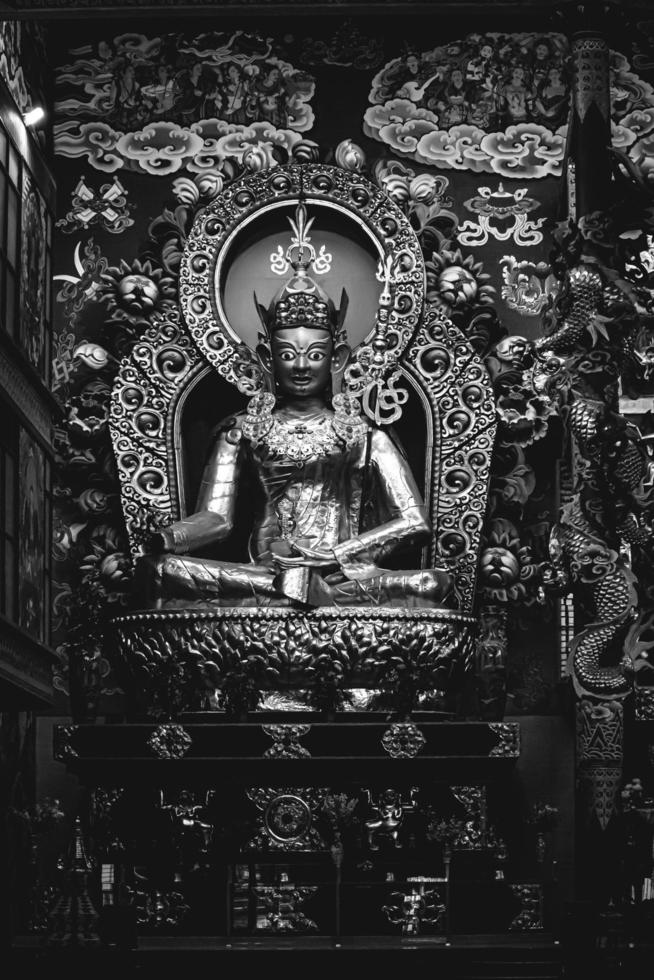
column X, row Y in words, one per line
column 34, row 116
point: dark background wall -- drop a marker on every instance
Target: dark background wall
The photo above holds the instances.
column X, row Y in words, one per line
column 116, row 205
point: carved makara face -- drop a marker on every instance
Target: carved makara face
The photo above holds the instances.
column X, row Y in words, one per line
column 302, row 360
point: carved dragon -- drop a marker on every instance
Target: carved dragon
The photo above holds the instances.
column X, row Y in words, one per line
column 594, row 342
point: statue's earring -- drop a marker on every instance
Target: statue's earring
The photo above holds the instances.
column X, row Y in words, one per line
column 335, row 378
column 340, row 357
column 348, row 421
column 249, row 370
column 258, row 419
column 264, row 355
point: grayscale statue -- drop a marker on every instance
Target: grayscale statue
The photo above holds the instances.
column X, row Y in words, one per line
column 334, row 495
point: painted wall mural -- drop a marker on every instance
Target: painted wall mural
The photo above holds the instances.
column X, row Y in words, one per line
column 159, row 105
column 348, row 47
column 22, row 61
column 32, row 536
column 497, row 103
column 108, row 207
column 501, row 215
column 528, row 287
column 34, row 272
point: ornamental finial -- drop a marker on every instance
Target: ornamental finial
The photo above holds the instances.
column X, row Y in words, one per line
column 300, row 255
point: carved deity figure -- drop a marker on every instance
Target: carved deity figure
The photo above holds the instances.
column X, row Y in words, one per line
column 387, row 814
column 333, row 496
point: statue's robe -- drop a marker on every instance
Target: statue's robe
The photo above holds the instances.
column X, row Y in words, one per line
column 357, row 502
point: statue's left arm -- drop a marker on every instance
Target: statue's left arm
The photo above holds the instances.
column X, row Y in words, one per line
column 401, row 500
column 213, row 518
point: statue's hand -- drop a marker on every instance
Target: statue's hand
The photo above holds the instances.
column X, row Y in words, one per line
column 301, row 562
column 311, row 557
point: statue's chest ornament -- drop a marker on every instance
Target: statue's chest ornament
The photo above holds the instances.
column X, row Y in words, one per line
column 302, row 439
column 299, row 438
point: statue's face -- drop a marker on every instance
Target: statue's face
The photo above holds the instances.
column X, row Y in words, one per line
column 302, row 360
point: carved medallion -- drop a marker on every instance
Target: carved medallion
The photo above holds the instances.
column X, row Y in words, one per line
column 509, row 739
column 286, row 741
column 170, row 741
column 287, row 815
column 403, row 740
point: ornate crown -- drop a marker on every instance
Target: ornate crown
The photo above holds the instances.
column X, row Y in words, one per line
column 301, row 301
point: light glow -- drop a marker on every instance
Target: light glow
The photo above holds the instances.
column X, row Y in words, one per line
column 34, row 116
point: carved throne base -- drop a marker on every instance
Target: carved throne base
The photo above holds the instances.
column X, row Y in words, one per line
column 178, row 656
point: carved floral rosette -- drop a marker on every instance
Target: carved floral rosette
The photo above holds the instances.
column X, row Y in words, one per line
column 277, row 649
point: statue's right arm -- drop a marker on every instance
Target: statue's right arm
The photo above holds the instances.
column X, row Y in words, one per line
column 213, row 518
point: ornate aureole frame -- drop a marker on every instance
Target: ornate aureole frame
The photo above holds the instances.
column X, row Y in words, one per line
column 154, row 380
column 215, row 230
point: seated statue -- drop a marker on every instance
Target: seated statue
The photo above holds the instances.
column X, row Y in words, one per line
column 334, row 494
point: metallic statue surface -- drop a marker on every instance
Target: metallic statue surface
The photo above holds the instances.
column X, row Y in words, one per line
column 335, row 497
column 312, row 466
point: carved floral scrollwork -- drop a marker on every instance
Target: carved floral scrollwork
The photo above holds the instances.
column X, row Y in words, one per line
column 170, row 741
column 64, row 738
column 287, row 818
column 508, row 734
column 464, row 423
column 530, row 916
column 286, row 741
column 149, row 382
column 403, row 740
column 179, row 656
column 645, row 703
column 473, row 801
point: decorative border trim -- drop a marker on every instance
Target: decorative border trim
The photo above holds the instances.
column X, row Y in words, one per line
column 30, row 405
column 464, row 424
column 25, row 663
column 147, row 389
column 509, row 739
column 644, row 703
column 337, row 613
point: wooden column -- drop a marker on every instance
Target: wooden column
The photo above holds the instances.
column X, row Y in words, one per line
column 588, row 163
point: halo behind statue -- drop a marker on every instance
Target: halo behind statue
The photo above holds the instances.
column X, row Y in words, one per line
column 224, row 330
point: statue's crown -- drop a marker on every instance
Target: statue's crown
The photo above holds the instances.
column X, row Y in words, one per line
column 301, row 301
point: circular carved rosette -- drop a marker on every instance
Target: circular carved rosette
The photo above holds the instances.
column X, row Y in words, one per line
column 169, row 741
column 403, row 740
column 287, row 818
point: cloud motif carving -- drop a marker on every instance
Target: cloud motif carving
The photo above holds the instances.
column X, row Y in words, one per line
column 498, row 103
column 166, row 148
column 158, row 105
column 221, row 141
column 399, row 124
column 160, row 148
column 524, row 150
column 96, row 141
